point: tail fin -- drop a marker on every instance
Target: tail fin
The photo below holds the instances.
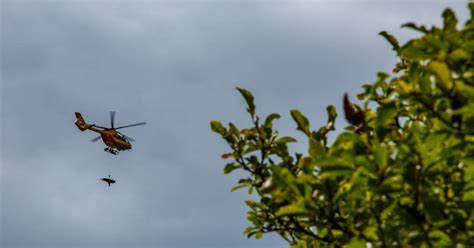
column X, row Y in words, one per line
column 80, row 123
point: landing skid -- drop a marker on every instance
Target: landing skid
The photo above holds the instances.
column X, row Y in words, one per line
column 111, row 150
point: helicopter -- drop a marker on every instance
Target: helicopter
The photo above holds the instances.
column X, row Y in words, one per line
column 113, row 139
column 108, row 180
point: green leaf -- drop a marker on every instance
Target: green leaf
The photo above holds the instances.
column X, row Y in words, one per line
column 433, row 142
column 391, row 39
column 230, row 167
column 334, row 167
column 441, row 238
column 385, row 116
column 468, row 196
column 413, row 26
column 469, row 187
column 332, row 115
column 252, row 204
column 465, row 90
column 412, row 51
column 371, row 233
column 391, row 184
column 356, row 243
column 442, row 72
column 468, row 166
column 300, row 244
column 433, row 44
column 237, row 187
column 459, row 55
column 296, row 208
column 348, row 142
column 270, row 118
column 450, row 20
column 249, row 229
column 468, row 45
column 465, row 110
column 234, row 130
column 250, row 234
column 380, row 155
column 251, row 148
column 249, row 99
column 286, row 139
column 216, row 126
column 301, row 121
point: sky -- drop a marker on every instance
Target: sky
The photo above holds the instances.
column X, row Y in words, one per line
column 175, row 65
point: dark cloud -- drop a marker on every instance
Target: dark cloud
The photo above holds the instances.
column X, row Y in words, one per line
column 174, row 65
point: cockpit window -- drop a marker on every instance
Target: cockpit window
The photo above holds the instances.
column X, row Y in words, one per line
column 119, row 135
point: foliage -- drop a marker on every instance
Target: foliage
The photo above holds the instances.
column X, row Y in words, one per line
column 402, row 174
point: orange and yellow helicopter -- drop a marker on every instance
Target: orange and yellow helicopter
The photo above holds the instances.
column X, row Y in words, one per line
column 114, row 140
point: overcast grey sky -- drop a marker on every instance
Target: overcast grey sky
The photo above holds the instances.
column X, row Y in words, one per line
column 174, row 65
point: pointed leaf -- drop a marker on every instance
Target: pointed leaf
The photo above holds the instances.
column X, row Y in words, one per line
column 237, row 187
column 270, row 118
column 216, row 126
column 249, row 99
column 450, row 20
column 230, row 167
column 301, row 121
column 413, row 26
column 391, row 39
column 285, row 140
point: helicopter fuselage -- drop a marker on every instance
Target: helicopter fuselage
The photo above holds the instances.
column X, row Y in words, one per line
column 111, row 137
column 114, row 139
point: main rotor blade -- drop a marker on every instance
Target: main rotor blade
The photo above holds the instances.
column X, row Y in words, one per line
column 96, row 139
column 132, row 125
column 112, row 118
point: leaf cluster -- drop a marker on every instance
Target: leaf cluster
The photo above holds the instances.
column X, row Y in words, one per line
column 401, row 174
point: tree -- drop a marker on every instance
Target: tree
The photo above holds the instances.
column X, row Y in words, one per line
column 402, row 173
